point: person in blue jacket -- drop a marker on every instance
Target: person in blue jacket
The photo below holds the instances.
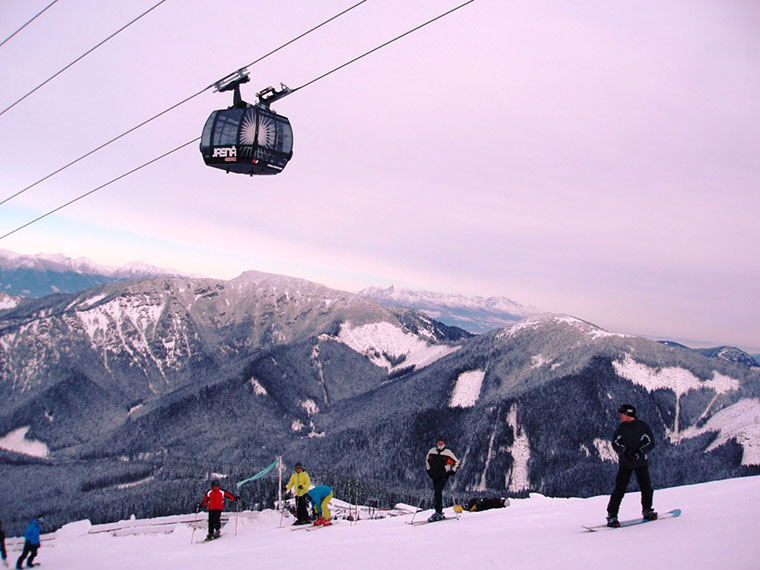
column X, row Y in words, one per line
column 31, row 542
column 320, row 496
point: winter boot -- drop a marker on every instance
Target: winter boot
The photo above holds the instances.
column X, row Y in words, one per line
column 436, row 517
column 319, row 522
column 613, row 521
column 326, row 522
column 649, row 515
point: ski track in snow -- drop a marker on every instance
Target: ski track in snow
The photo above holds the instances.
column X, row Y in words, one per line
column 376, row 340
column 517, row 478
column 605, row 450
column 467, row 389
column 716, row 530
column 740, row 421
column 16, row 441
column 258, row 389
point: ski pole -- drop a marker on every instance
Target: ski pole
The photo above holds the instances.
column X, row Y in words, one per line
column 348, row 500
column 356, row 499
column 195, row 521
column 237, row 512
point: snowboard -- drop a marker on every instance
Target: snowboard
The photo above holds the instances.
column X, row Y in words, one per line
column 631, row 522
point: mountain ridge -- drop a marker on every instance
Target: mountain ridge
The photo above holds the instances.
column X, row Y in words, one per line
column 166, row 378
column 475, row 314
column 44, row 274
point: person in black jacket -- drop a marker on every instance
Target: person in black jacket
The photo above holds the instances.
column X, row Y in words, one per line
column 632, row 441
column 441, row 463
column 2, row 545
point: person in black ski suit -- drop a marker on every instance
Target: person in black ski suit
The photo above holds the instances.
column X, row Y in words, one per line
column 440, row 463
column 632, row 441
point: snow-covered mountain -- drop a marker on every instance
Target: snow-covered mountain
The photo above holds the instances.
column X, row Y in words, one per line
column 162, row 380
column 474, row 314
column 716, row 529
column 727, row 353
column 43, row 274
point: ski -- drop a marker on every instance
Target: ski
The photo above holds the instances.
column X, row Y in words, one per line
column 317, row 527
column 310, row 526
column 425, row 521
column 631, row 522
column 299, row 526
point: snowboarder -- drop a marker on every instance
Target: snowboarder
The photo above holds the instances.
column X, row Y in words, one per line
column 2, row 545
column 215, row 501
column 299, row 482
column 440, row 463
column 632, row 441
column 31, row 542
column 320, row 496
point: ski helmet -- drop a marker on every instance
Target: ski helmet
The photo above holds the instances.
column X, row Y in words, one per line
column 628, row 410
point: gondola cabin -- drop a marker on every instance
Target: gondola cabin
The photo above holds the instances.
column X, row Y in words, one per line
column 248, row 139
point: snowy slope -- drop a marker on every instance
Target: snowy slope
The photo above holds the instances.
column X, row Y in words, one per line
column 716, row 530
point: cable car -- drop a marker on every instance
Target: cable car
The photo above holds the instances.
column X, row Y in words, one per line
column 247, row 139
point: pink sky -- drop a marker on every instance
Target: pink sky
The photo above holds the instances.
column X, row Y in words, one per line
column 592, row 158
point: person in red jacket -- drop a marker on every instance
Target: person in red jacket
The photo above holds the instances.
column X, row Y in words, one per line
column 215, row 501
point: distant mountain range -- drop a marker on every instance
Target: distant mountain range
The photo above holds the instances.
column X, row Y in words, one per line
column 727, row 353
column 123, row 398
column 474, row 314
column 45, row 274
column 36, row 276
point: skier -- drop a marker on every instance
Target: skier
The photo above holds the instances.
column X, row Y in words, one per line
column 31, row 542
column 215, row 501
column 2, row 545
column 320, row 496
column 632, row 441
column 441, row 463
column 299, row 482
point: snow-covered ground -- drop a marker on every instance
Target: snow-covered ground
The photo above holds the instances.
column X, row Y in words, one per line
column 718, row 529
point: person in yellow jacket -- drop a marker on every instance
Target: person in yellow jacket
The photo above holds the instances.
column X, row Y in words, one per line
column 299, row 482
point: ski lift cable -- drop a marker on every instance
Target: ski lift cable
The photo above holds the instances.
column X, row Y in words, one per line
column 70, row 202
column 336, row 16
column 185, row 100
column 381, row 46
column 29, row 22
column 156, row 159
column 81, row 57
